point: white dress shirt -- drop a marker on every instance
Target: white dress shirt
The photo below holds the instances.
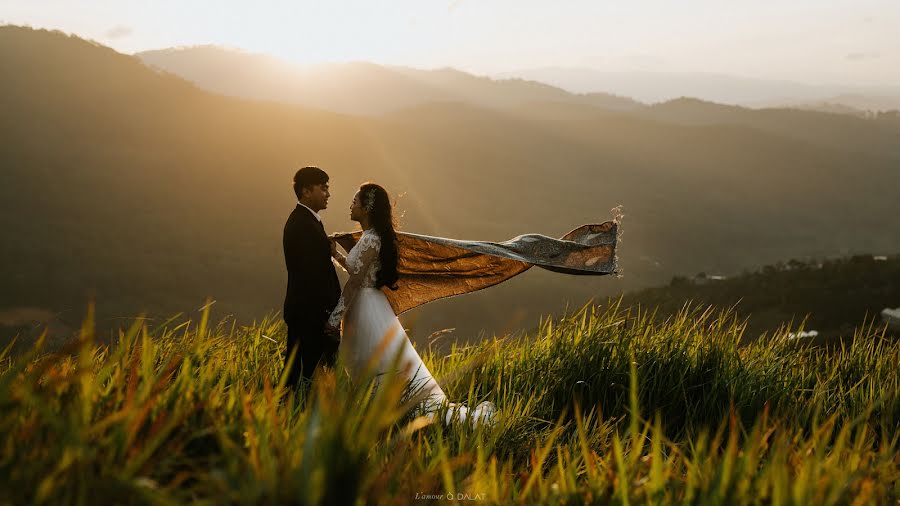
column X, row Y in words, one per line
column 310, row 210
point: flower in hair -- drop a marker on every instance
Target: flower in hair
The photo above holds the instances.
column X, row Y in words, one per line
column 369, row 200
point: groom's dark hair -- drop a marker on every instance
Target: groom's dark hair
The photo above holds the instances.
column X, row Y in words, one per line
column 308, row 176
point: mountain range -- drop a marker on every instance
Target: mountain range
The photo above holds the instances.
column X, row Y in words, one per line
column 357, row 87
column 654, row 87
column 367, row 88
column 146, row 191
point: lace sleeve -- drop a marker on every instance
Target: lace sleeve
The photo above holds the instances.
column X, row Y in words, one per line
column 368, row 254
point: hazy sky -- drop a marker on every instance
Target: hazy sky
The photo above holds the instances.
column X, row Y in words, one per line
column 817, row 41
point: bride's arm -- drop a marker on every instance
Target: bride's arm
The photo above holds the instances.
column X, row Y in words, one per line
column 367, row 256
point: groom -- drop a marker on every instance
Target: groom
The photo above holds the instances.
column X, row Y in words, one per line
column 313, row 288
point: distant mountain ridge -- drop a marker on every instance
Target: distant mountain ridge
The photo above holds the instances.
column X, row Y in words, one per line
column 370, row 89
column 357, row 87
column 853, row 104
column 655, row 87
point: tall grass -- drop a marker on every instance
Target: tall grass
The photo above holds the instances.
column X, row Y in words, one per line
column 603, row 406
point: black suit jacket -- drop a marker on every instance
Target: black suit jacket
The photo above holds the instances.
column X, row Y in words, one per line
column 313, row 288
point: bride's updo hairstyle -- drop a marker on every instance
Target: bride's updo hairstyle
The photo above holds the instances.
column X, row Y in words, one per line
column 377, row 203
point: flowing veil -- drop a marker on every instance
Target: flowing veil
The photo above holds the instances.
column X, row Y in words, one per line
column 432, row 268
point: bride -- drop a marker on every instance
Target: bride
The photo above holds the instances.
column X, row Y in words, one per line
column 367, row 317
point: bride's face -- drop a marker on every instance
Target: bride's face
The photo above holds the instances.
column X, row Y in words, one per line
column 356, row 209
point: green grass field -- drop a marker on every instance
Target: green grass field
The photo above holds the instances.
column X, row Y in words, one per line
column 607, row 406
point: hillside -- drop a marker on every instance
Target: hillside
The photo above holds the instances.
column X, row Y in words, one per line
column 150, row 194
column 832, row 296
column 862, row 136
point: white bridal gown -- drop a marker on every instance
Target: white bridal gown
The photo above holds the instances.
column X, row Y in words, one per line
column 368, row 318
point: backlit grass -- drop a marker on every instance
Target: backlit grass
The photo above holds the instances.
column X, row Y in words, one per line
column 604, row 406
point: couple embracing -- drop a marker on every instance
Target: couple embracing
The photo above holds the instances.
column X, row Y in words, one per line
column 391, row 272
column 318, row 312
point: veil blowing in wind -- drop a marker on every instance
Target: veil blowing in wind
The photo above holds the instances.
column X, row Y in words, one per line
column 432, row 268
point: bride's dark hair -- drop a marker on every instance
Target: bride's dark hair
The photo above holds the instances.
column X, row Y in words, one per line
column 377, row 203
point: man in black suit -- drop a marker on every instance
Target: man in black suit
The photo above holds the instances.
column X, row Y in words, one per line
column 313, row 288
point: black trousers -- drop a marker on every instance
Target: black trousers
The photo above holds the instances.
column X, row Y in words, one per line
column 313, row 348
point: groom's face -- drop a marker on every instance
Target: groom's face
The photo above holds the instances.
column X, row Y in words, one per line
column 316, row 196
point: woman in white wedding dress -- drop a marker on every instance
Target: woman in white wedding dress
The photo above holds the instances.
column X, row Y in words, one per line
column 370, row 326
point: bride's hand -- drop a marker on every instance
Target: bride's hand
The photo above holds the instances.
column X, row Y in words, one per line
column 333, row 332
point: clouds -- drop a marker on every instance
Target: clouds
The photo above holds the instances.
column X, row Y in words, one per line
column 119, row 32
